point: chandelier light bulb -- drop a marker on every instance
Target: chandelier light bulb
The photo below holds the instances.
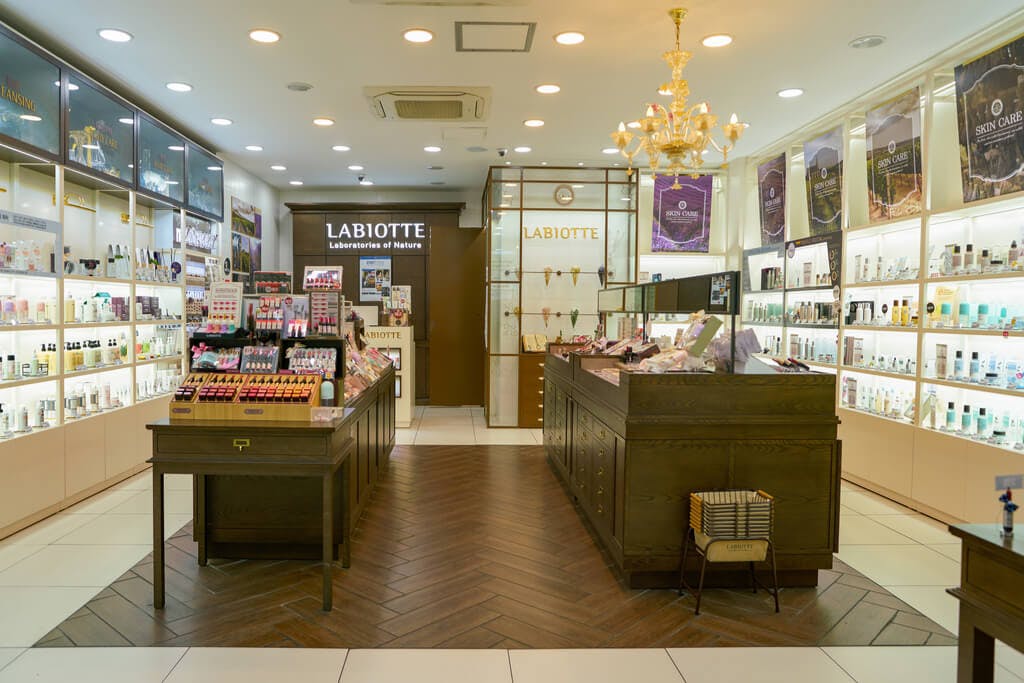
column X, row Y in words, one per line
column 622, row 127
column 734, row 119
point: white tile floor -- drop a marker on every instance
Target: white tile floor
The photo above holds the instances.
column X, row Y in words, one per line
column 49, row 571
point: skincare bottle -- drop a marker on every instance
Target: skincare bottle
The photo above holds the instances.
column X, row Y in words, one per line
column 10, row 368
column 946, row 265
column 905, row 313
column 946, row 310
column 982, row 429
column 1014, row 255
column 327, row 394
column 895, row 312
column 856, row 268
column 5, row 422
column 951, row 416
column 965, row 420
column 879, row 273
column 969, row 258
column 957, row 258
column 964, row 314
column 23, row 419
column 985, row 259
column 975, row 367
column 982, row 315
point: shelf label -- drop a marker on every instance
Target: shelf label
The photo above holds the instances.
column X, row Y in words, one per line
column 21, row 220
column 1009, row 481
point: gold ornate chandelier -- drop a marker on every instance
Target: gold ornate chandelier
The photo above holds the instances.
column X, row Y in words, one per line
column 679, row 132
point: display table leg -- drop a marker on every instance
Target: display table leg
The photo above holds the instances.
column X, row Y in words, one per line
column 328, row 539
column 346, row 529
column 975, row 651
column 158, row 537
column 200, row 524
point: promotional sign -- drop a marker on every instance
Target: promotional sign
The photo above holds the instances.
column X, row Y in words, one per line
column 246, row 231
column 894, row 157
column 374, row 278
column 408, row 238
column 834, row 249
column 823, row 158
column 29, row 102
column 771, row 188
column 990, row 117
column 682, row 215
column 200, row 235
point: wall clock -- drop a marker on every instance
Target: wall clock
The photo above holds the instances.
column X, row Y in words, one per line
column 564, row 195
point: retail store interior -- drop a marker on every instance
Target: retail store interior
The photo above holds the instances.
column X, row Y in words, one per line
column 511, row 341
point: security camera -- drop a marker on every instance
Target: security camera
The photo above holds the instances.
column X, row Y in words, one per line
column 503, row 152
column 362, row 178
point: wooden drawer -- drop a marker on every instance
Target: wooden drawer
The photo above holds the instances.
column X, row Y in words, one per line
column 249, row 443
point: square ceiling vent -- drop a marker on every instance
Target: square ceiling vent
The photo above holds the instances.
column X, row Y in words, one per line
column 428, row 103
column 494, row 36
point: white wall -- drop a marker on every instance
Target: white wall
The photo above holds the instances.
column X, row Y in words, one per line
column 470, row 218
column 247, row 187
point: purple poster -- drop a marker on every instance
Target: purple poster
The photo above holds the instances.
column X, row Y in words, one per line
column 771, row 186
column 682, row 213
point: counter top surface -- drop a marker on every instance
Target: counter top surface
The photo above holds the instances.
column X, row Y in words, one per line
column 990, row 534
column 237, row 425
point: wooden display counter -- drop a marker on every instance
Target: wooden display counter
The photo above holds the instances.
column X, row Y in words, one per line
column 631, row 454
column 280, row 517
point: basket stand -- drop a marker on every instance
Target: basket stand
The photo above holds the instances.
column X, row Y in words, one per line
column 690, row 536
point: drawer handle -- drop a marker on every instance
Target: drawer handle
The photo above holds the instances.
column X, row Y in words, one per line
column 600, row 490
column 540, row 391
column 602, row 434
column 600, row 509
column 240, row 444
column 540, row 405
column 541, row 377
column 540, row 419
column 600, row 454
column 581, row 485
column 540, row 364
column 600, row 471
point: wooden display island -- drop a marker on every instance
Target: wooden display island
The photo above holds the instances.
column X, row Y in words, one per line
column 259, row 493
column 631, row 454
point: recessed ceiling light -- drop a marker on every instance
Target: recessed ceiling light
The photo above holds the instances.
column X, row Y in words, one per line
column 522, row 150
column 299, row 86
column 217, row 121
column 437, row 182
column 179, row 87
column 476, row 149
column 253, row 148
column 176, row 148
column 579, row 163
column 278, row 167
column 127, row 120
column 294, row 182
column 570, row 38
column 435, row 168
column 418, row 35
column 548, row 89
column 214, row 168
column 867, row 42
column 543, row 163
column 791, row 92
column 264, row 35
column 717, row 40
column 366, row 181
column 433, row 149
column 355, row 167
column 533, row 123
column 323, row 121
column 30, row 117
column 610, row 150
column 114, row 35
column 508, row 163
column 341, row 148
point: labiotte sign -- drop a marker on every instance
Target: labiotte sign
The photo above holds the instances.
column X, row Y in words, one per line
column 405, row 237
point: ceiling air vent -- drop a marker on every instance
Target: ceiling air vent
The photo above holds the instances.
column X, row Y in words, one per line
column 423, row 103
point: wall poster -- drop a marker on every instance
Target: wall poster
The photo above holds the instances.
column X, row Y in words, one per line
column 990, row 117
column 374, row 278
column 893, row 145
column 771, row 187
column 246, row 236
column 823, row 158
column 682, row 215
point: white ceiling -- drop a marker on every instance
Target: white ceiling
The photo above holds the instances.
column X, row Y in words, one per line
column 341, row 46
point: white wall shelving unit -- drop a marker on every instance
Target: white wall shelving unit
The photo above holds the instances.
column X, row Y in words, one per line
column 901, row 452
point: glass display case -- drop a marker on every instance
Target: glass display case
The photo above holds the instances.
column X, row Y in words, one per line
column 30, row 107
column 205, row 183
column 101, row 131
column 555, row 237
column 161, row 164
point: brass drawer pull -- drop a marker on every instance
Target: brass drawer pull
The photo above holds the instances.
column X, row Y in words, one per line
column 600, row 509
column 541, row 377
column 602, row 433
column 240, row 444
column 540, row 405
column 540, row 391
column 540, row 364
column 540, row 419
column 600, row 490
column 600, row 454
column 600, row 471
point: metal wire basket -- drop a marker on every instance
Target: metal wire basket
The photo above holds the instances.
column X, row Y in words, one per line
column 732, row 514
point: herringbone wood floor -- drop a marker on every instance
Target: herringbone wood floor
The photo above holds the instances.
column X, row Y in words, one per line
column 472, row 547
